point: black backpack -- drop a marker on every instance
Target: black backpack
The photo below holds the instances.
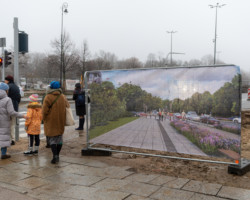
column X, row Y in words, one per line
column 80, row 101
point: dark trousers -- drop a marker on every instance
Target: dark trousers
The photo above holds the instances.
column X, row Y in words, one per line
column 31, row 140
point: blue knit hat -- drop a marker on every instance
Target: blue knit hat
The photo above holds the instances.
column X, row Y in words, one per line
column 55, row 85
column 4, row 86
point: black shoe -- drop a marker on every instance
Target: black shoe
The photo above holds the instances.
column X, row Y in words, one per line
column 55, row 159
column 47, row 146
column 5, row 156
column 13, row 142
column 79, row 129
column 28, row 153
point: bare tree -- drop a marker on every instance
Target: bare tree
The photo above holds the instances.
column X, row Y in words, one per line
column 84, row 57
column 70, row 58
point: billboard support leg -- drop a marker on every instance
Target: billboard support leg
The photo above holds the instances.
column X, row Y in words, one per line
column 240, row 169
column 94, row 152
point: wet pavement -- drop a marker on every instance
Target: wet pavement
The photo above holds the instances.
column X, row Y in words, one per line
column 88, row 178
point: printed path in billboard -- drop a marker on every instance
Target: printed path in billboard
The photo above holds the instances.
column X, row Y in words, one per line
column 180, row 110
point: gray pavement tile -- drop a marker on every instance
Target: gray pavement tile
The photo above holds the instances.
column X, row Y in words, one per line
column 8, row 194
column 111, row 184
column 18, row 167
column 83, row 170
column 117, row 172
column 48, row 197
column 204, row 197
column 234, row 193
column 80, row 161
column 135, row 197
column 14, row 188
column 31, row 183
column 144, row 178
column 160, row 180
column 95, row 163
column 52, row 189
column 5, row 162
column 43, row 161
column 177, row 183
column 74, row 179
column 79, row 192
column 173, row 194
column 10, row 178
column 140, row 189
column 43, row 172
column 202, row 187
column 104, row 194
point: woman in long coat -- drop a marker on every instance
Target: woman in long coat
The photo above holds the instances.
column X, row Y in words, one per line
column 54, row 118
column 80, row 109
column 6, row 111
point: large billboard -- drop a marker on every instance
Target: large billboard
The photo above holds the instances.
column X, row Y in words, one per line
column 167, row 111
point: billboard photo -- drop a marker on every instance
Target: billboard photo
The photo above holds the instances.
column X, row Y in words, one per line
column 187, row 111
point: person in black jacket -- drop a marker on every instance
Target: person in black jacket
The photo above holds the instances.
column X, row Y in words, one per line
column 14, row 94
column 80, row 107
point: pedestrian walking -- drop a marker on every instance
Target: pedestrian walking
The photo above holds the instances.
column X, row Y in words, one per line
column 79, row 97
column 183, row 115
column 54, row 118
column 33, row 124
column 6, row 110
column 14, row 94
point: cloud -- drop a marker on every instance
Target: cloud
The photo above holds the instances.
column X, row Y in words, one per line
column 174, row 83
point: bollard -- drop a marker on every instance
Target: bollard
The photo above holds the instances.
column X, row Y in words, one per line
column 248, row 98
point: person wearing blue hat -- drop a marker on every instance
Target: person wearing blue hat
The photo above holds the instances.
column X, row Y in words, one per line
column 54, row 118
column 6, row 110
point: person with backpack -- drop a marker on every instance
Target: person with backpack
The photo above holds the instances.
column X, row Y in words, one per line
column 79, row 97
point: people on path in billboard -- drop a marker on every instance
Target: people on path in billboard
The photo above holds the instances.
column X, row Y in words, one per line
column 79, row 97
column 33, row 124
column 46, row 92
column 54, row 118
column 6, row 110
column 14, row 94
column 183, row 115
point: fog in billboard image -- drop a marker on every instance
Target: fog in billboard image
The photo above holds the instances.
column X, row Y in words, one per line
column 180, row 110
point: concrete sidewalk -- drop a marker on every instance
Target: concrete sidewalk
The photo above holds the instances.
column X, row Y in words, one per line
column 88, row 178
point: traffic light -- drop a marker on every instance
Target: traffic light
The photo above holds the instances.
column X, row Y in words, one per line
column 1, row 61
column 7, row 57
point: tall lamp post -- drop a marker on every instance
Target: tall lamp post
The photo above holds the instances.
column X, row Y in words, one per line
column 171, row 46
column 215, row 36
column 62, row 68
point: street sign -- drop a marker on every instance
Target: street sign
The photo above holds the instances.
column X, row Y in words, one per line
column 2, row 42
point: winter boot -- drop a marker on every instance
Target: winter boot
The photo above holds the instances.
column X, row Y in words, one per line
column 54, row 151
column 6, row 156
column 29, row 152
column 81, row 122
column 36, row 150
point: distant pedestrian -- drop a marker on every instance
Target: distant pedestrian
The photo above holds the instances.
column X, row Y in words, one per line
column 183, row 115
column 79, row 97
column 33, row 124
column 14, row 94
column 54, row 118
column 6, row 110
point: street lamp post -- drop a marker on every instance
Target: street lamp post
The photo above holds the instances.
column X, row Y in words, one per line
column 171, row 46
column 215, row 36
column 62, row 70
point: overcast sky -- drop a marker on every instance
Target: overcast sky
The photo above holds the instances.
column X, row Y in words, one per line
column 130, row 28
column 174, row 83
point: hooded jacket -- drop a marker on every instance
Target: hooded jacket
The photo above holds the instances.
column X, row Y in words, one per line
column 6, row 111
column 34, row 118
column 54, row 116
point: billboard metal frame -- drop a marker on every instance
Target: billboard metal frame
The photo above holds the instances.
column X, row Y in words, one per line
column 90, row 146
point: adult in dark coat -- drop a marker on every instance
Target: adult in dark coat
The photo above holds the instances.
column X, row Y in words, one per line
column 80, row 110
column 14, row 94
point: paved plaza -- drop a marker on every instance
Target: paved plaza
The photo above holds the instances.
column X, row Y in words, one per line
column 89, row 179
